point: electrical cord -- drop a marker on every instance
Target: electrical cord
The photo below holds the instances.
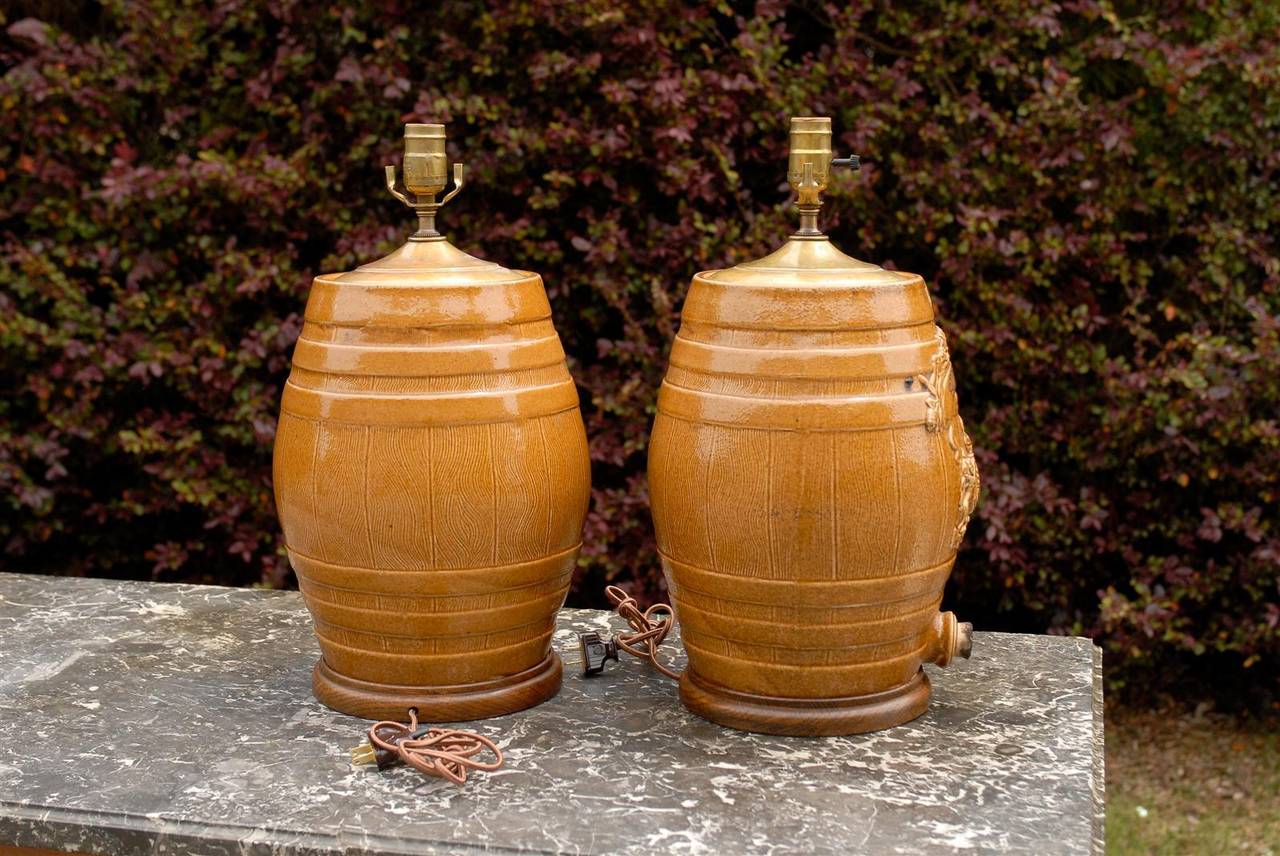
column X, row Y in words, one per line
column 449, row 753
column 444, row 752
column 648, row 628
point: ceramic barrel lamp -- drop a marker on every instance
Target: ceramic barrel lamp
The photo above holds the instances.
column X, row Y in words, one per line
column 431, row 473
column 810, row 480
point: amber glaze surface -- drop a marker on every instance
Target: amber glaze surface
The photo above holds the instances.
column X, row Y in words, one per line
column 810, row 480
column 431, row 478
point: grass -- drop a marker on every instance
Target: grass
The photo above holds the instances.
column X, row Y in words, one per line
column 1187, row 784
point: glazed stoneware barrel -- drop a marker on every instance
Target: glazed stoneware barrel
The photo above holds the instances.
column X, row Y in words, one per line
column 810, row 480
column 431, row 474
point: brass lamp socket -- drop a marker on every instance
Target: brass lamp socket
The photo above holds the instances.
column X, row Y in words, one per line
column 424, row 175
column 426, row 166
column 809, row 164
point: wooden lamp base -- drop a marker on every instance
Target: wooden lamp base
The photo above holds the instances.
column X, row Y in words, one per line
column 826, row 717
column 459, row 703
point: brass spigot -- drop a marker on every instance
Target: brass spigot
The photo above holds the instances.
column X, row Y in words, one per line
column 809, row 168
column 426, row 174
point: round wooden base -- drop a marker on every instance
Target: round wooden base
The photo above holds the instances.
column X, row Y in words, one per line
column 438, row 704
column 819, row 717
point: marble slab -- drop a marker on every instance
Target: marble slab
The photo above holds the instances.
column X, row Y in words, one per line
column 152, row 718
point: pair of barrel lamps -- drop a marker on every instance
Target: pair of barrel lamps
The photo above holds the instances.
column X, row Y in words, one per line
column 809, row 475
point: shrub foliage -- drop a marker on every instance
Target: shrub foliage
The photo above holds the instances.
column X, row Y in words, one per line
column 1089, row 187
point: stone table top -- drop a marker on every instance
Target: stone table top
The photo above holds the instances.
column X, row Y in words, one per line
column 148, row 718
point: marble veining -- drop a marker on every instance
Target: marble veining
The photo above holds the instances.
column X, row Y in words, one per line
column 150, row 718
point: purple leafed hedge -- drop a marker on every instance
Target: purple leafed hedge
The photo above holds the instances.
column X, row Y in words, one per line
column 1090, row 188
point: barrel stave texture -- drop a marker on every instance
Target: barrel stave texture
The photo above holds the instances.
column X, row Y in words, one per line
column 431, row 475
column 805, row 494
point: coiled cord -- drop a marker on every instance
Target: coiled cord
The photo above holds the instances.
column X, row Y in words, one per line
column 650, row 628
column 444, row 752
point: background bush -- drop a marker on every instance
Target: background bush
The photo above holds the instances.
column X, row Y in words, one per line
column 1090, row 189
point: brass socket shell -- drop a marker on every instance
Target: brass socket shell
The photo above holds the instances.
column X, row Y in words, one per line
column 810, row 145
column 426, row 166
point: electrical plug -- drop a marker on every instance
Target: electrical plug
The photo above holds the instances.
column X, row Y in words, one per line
column 596, row 651
column 367, row 753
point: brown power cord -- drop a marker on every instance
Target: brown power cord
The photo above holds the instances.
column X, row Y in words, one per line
column 650, row 626
column 445, row 752
column 449, row 753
